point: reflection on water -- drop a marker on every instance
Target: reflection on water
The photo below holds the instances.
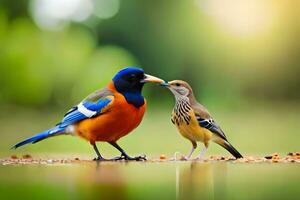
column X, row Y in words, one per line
column 105, row 181
column 157, row 180
column 194, row 180
column 201, row 181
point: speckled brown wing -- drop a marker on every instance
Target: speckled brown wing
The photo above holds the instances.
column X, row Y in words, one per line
column 206, row 121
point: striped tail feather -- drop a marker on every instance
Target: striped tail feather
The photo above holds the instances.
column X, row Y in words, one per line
column 41, row 136
column 229, row 148
column 232, row 150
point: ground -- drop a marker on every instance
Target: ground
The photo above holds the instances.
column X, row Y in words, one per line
column 214, row 178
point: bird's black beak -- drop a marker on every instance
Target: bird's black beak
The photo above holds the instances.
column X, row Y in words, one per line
column 151, row 79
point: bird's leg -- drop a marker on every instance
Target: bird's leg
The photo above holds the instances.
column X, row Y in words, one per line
column 201, row 155
column 191, row 152
column 99, row 157
column 124, row 155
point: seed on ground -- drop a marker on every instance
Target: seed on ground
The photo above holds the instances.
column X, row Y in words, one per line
column 291, row 157
column 27, row 156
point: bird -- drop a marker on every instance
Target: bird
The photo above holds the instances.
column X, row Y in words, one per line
column 194, row 122
column 106, row 115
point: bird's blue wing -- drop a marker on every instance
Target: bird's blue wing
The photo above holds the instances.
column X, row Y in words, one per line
column 92, row 106
column 211, row 125
column 95, row 104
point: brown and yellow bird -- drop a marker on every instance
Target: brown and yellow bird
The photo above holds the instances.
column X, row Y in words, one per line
column 193, row 120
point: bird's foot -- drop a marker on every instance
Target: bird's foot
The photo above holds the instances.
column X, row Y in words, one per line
column 128, row 158
column 184, row 158
column 100, row 159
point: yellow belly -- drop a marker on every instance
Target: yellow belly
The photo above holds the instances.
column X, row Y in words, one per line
column 193, row 131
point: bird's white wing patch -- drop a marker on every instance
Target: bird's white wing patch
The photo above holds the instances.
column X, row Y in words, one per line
column 88, row 113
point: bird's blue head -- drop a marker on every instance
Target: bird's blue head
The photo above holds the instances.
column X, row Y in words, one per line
column 130, row 82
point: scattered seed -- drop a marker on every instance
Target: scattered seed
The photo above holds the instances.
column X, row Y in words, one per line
column 268, row 157
column 50, row 161
column 291, row 157
column 27, row 156
column 162, row 157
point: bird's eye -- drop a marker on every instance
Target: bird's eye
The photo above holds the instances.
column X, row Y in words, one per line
column 177, row 84
column 132, row 77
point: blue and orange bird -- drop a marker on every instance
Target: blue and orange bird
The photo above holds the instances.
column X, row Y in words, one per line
column 107, row 114
column 194, row 122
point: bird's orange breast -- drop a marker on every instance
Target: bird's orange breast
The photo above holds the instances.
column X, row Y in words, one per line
column 119, row 120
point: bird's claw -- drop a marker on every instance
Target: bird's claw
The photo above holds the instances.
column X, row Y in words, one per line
column 140, row 158
column 128, row 158
column 184, row 158
column 98, row 159
column 118, row 158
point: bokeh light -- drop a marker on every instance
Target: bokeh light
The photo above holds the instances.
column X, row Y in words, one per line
column 242, row 18
column 106, row 9
column 55, row 14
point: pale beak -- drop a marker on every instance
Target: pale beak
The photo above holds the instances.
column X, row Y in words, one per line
column 165, row 84
column 151, row 79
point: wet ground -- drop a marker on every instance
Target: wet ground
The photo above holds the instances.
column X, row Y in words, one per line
column 217, row 177
column 292, row 157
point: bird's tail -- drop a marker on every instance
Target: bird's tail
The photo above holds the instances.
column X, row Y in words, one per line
column 41, row 136
column 229, row 148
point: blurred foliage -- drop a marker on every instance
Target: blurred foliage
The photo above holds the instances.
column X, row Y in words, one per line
column 39, row 67
column 223, row 57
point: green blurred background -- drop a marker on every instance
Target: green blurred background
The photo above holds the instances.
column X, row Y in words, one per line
column 241, row 58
